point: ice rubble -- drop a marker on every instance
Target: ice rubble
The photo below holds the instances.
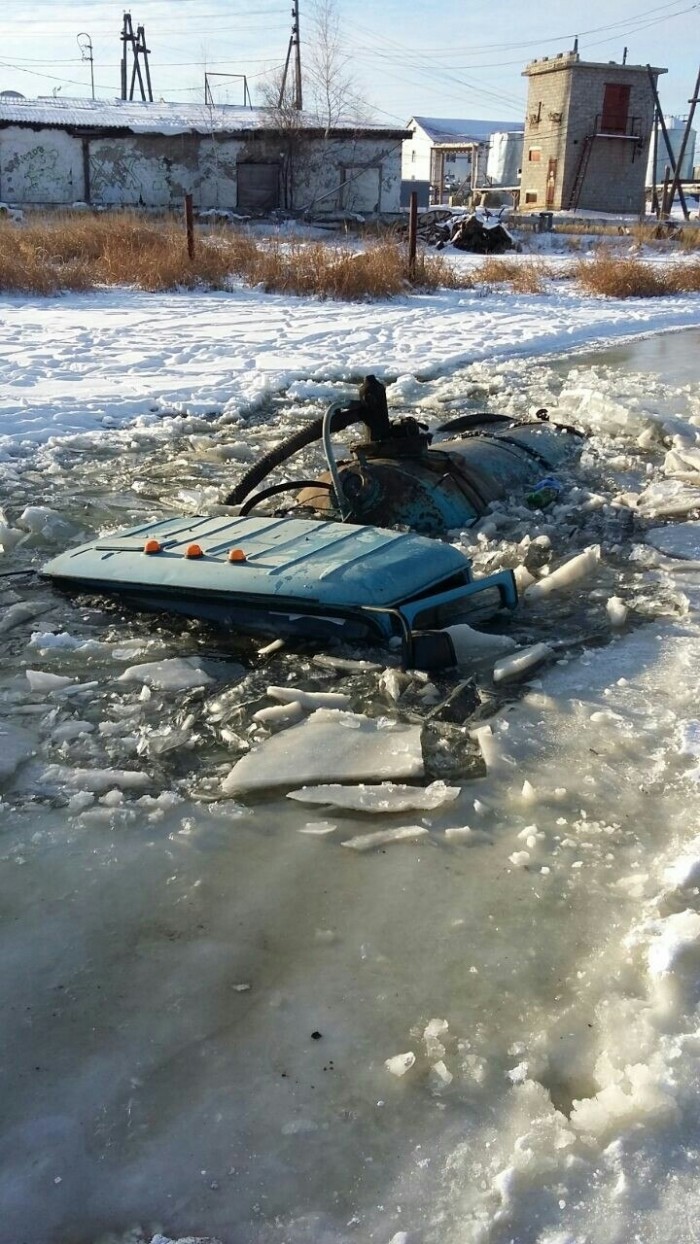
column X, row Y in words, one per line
column 330, row 745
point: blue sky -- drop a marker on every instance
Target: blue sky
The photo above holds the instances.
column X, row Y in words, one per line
column 455, row 58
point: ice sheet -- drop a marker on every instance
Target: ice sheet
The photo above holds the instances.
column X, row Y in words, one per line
column 331, row 745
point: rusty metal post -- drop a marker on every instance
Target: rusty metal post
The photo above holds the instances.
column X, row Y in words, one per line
column 665, row 207
column 189, row 221
column 412, row 234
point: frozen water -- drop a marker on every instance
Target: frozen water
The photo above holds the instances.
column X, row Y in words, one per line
column 140, row 1082
column 16, row 746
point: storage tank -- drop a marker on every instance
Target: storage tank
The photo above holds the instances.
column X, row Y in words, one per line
column 505, row 158
column 675, row 127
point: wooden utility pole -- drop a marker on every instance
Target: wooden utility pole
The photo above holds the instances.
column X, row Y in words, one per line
column 137, row 43
column 294, row 45
column 664, row 131
column 412, row 234
column 676, row 186
column 189, row 225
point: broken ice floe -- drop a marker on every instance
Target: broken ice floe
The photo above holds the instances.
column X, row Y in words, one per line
column 172, row 674
column 384, row 837
column 42, row 681
column 521, row 662
column 399, row 1064
column 330, row 745
column 95, row 780
column 385, row 797
column 680, row 540
column 576, row 568
column 309, row 700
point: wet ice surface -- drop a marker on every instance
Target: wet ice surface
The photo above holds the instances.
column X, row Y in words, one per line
column 208, row 999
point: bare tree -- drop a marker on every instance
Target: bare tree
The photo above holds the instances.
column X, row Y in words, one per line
column 332, row 84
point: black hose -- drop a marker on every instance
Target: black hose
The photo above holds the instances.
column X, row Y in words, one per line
column 274, row 489
column 305, row 436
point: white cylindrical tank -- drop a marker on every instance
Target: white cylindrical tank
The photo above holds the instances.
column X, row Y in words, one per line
column 675, row 127
column 505, row 158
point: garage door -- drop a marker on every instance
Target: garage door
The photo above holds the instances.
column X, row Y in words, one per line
column 258, row 187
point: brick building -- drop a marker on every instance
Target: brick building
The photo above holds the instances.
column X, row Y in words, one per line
column 587, row 132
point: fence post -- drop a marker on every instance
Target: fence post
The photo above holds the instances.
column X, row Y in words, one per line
column 412, row 234
column 189, row 221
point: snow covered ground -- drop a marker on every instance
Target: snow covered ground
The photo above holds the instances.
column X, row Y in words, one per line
column 230, row 1013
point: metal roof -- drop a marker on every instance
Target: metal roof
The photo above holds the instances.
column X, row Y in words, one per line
column 456, row 130
column 161, row 117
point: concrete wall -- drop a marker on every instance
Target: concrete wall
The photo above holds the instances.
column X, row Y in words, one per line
column 53, row 167
column 40, row 166
column 565, row 104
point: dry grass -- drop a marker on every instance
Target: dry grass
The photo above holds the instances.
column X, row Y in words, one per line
column 617, row 276
column 524, row 277
column 684, row 278
column 78, row 252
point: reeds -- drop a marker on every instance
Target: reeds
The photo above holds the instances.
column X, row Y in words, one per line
column 78, row 251
column 623, row 276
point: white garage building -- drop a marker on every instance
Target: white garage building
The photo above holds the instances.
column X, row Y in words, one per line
column 56, row 152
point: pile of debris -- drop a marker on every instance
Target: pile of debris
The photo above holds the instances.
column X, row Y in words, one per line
column 480, row 231
column 481, row 234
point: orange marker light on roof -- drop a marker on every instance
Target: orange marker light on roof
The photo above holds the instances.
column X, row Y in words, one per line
column 152, row 546
column 236, row 555
column 194, row 550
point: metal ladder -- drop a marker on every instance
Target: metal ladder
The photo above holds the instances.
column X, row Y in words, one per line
column 581, row 172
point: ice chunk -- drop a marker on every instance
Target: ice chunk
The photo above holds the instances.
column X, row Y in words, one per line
column 16, row 615
column 678, row 935
column 468, row 837
column 573, row 571
column 172, row 674
column 280, row 714
column 42, row 521
column 523, row 578
column 521, row 661
column 309, row 700
column 345, row 665
column 400, row 1063
column 668, row 497
column 616, row 610
column 95, row 780
column 440, row 1075
column 490, row 750
column 384, row 797
column 393, row 683
column 69, row 730
column 676, row 540
column 16, row 746
column 636, row 1098
column 472, row 645
column 383, row 837
column 318, row 829
column 40, row 680
column 330, row 745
